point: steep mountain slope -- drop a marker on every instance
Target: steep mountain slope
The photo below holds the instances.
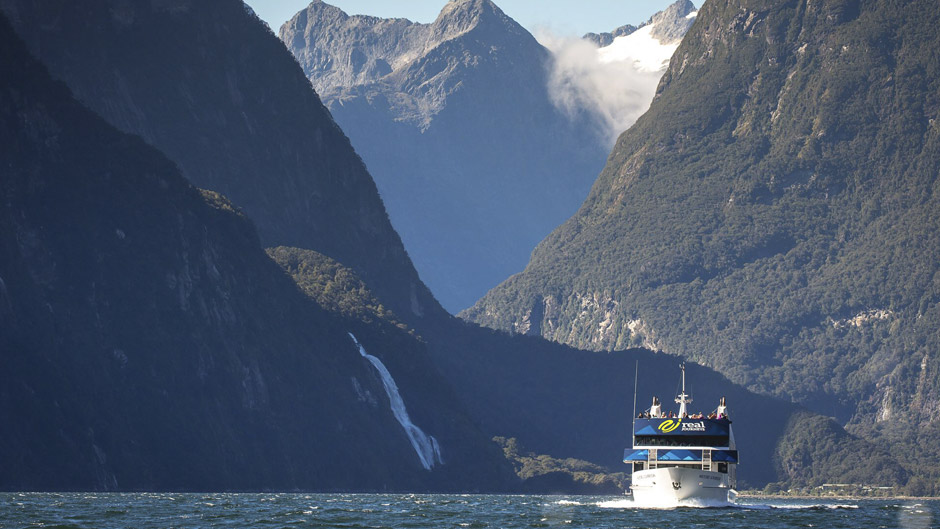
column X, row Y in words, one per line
column 147, row 342
column 456, row 123
column 209, row 85
column 773, row 215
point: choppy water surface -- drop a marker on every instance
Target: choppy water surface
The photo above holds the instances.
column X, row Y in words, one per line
column 104, row 511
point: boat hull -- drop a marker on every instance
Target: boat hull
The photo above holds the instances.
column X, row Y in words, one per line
column 677, row 486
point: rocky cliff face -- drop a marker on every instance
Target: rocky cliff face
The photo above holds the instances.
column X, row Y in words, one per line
column 606, row 38
column 781, row 185
column 455, row 121
column 207, row 84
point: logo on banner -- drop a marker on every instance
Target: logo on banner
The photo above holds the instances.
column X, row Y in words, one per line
column 668, row 425
column 693, row 426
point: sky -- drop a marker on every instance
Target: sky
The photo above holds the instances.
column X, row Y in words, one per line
column 563, row 17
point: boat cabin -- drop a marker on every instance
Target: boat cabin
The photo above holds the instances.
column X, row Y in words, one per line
column 706, row 444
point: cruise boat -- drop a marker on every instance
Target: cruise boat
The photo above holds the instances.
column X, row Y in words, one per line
column 682, row 459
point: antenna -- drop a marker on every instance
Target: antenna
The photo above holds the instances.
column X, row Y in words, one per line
column 636, row 377
column 683, row 397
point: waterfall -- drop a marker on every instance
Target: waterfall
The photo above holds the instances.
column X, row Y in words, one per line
column 429, row 452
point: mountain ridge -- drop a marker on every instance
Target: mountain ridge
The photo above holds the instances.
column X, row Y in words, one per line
column 270, row 146
column 449, row 126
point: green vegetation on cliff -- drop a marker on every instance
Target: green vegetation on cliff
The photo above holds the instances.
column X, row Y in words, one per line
column 547, row 474
column 333, row 286
column 775, row 215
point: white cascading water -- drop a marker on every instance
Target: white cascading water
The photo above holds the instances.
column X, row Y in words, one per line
column 429, row 452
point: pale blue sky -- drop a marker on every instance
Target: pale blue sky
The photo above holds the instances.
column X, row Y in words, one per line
column 574, row 17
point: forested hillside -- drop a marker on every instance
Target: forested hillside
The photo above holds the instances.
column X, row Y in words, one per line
column 775, row 215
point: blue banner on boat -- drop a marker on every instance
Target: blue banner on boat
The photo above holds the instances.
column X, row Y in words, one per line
column 710, row 427
column 635, row 455
column 679, row 455
column 725, row 456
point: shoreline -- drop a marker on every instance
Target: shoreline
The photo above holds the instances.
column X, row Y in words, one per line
column 753, row 495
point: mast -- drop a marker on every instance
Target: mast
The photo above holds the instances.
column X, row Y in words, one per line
column 636, row 378
column 683, row 397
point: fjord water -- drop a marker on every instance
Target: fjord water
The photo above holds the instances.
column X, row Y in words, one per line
column 164, row 510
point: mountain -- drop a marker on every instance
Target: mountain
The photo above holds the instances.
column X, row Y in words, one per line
column 206, row 84
column 321, row 414
column 147, row 342
column 668, row 26
column 607, row 38
column 773, row 215
column 457, row 125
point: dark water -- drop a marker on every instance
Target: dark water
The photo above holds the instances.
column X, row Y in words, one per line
column 104, row 511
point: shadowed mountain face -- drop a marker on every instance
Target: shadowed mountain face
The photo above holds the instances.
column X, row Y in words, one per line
column 149, row 343
column 773, row 215
column 205, row 82
column 457, row 125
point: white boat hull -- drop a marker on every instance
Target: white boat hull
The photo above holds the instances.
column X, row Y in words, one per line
column 677, row 486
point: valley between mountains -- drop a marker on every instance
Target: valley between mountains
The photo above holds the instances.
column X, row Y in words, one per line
column 231, row 254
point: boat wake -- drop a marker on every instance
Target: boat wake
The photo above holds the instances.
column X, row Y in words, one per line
column 815, row 506
column 693, row 504
column 685, row 504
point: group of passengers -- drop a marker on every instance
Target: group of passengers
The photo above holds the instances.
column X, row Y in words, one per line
column 656, row 412
column 672, row 415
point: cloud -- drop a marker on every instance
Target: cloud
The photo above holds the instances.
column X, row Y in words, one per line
column 616, row 88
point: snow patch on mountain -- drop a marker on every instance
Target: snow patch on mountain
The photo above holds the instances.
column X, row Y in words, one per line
column 616, row 82
column 641, row 48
